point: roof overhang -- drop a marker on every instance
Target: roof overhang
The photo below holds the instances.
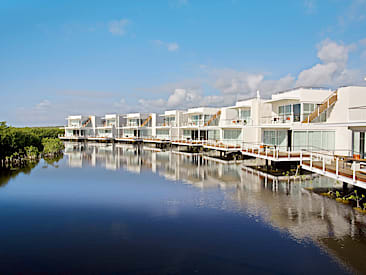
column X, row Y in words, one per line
column 282, row 99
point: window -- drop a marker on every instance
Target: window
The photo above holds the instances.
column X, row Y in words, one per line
column 244, row 114
column 162, row 132
column 74, row 123
column 145, row 132
column 284, row 109
column 308, row 108
column 213, row 134
column 111, row 122
column 128, row 132
column 284, row 112
column 275, row 137
column 297, row 112
column 232, row 134
column 170, row 121
column 314, row 140
column 300, row 140
column 133, row 122
column 187, row 133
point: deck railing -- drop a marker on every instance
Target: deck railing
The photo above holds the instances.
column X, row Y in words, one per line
column 339, row 165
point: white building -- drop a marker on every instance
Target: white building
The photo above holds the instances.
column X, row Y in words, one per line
column 293, row 120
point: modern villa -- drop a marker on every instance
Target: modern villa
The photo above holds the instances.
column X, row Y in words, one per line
column 293, row 120
column 322, row 129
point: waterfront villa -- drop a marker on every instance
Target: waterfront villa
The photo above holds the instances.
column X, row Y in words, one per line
column 314, row 126
column 293, row 120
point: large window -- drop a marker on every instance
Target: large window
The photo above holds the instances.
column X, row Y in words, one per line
column 275, row 137
column 162, row 132
column 232, row 134
column 244, row 114
column 308, row 108
column 111, row 122
column 187, row 133
column 359, row 144
column 133, row 122
column 170, row 121
column 145, row 132
column 74, row 123
column 314, row 140
column 128, row 132
column 284, row 110
column 196, row 119
column 213, row 134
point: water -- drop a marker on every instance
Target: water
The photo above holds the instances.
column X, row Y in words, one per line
column 120, row 209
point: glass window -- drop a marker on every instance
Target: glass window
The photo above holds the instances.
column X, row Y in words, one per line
column 300, row 140
column 297, row 112
column 213, row 134
column 232, row 134
column 356, row 143
column 287, row 109
column 281, row 110
column 187, row 133
column 162, row 132
column 244, row 114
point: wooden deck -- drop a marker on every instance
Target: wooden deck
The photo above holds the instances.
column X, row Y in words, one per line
column 343, row 171
column 275, row 155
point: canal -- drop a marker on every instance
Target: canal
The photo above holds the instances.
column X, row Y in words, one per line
column 114, row 208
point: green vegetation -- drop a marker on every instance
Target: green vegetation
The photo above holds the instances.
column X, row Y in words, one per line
column 52, row 145
column 28, row 142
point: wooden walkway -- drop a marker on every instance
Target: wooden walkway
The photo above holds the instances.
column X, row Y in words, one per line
column 342, row 171
column 274, row 155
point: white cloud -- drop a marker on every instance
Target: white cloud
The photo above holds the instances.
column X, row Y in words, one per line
column 118, row 27
column 332, row 71
column 43, row 105
column 244, row 84
column 170, row 46
column 329, row 51
column 320, row 74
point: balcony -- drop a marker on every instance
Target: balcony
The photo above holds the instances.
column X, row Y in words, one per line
column 194, row 123
column 279, row 119
column 235, row 122
column 166, row 124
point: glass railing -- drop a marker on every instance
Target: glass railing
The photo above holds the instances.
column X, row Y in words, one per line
column 235, row 122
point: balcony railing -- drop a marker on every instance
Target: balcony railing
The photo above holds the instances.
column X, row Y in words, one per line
column 280, row 119
column 166, row 124
column 235, row 122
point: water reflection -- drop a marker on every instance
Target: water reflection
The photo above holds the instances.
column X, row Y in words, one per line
column 284, row 205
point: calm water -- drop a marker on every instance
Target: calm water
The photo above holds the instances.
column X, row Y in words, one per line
column 119, row 209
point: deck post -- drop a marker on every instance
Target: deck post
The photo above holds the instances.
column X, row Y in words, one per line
column 337, row 166
column 311, row 159
column 300, row 157
column 354, row 171
column 345, row 186
column 323, row 164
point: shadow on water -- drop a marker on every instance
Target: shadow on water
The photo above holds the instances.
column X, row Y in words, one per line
column 7, row 174
column 111, row 209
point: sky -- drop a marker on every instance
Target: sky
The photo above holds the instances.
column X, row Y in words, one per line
column 60, row 58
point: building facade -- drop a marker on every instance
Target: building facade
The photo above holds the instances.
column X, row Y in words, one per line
column 299, row 119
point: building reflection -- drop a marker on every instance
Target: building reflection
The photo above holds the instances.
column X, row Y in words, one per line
column 287, row 205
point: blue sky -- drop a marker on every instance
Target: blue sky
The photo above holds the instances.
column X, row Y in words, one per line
column 94, row 57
